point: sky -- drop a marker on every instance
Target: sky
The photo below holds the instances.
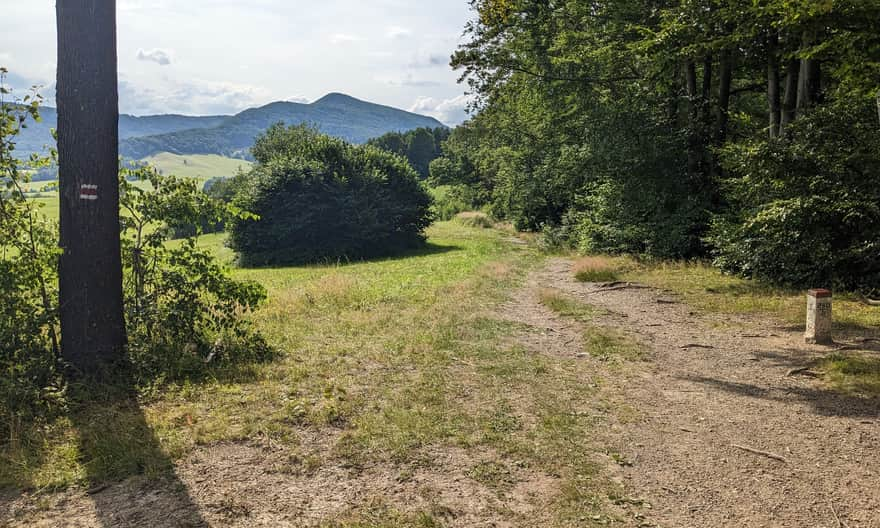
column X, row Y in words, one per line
column 207, row 57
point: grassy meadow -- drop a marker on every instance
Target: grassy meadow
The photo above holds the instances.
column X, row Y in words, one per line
column 202, row 167
column 385, row 362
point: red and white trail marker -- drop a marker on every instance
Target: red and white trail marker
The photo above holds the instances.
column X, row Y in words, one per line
column 88, row 192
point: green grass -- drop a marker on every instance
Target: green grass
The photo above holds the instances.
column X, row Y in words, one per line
column 855, row 374
column 44, row 188
column 710, row 290
column 48, row 206
column 474, row 219
column 389, row 361
column 566, row 306
column 200, row 166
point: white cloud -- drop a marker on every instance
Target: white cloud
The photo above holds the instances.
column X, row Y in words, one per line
column 427, row 59
column 397, row 32
column 159, row 56
column 451, row 112
column 344, row 38
column 140, row 5
column 408, row 80
column 299, row 99
column 189, row 97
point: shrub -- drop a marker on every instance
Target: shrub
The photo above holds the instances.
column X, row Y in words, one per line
column 30, row 380
column 319, row 198
column 809, row 202
column 182, row 308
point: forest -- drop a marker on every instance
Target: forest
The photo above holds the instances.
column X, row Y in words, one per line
column 744, row 132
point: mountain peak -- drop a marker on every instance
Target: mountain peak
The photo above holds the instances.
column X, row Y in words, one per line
column 336, row 98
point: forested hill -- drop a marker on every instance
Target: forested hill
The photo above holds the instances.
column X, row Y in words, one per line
column 335, row 114
column 37, row 136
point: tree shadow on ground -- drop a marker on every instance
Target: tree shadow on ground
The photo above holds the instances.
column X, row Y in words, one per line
column 425, row 250
column 824, row 402
column 843, row 331
column 753, row 287
column 130, row 479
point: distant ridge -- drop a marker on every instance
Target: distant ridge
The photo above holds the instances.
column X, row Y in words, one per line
column 335, row 114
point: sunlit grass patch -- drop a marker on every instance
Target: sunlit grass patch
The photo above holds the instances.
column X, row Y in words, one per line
column 597, row 269
column 607, row 345
column 493, row 474
column 856, row 374
column 564, row 305
column 474, row 219
column 600, row 342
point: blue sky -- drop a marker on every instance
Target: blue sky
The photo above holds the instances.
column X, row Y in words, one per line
column 220, row 56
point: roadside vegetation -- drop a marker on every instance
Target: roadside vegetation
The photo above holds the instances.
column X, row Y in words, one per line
column 341, row 304
column 420, row 146
column 741, row 134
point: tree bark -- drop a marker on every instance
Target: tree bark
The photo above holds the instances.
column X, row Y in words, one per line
column 90, row 271
column 672, row 109
column 707, row 78
column 706, row 95
column 789, row 102
column 810, row 81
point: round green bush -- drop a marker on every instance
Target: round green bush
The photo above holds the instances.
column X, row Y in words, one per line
column 319, row 198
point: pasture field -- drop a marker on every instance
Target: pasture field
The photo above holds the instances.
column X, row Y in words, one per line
column 200, row 166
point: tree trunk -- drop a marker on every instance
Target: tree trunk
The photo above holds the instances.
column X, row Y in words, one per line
column 810, row 82
column 878, row 104
column 725, row 79
column 706, row 95
column 90, row 271
column 707, row 79
column 773, row 78
column 693, row 121
column 789, row 102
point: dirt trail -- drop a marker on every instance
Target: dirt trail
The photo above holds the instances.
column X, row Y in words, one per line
column 695, row 404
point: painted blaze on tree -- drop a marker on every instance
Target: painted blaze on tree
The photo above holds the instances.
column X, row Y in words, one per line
column 90, row 272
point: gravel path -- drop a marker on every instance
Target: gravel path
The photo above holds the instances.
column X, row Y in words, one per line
column 725, row 434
